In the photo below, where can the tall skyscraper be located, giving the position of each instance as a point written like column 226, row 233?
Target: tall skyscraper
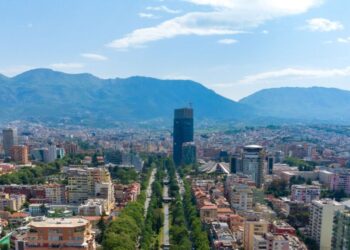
column 253, row 163
column 233, row 164
column 9, row 139
column 183, row 132
column 189, row 153
column 270, row 161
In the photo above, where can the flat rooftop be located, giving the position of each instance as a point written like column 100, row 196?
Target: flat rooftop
column 58, row 222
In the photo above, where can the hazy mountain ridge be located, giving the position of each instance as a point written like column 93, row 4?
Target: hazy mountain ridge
column 305, row 104
column 50, row 96
column 44, row 94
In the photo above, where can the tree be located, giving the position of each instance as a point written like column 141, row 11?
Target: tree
column 4, row 247
column 124, row 175
column 120, row 241
column 102, row 226
column 278, row 188
column 296, row 180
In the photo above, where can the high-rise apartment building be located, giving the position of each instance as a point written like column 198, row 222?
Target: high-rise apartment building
column 55, row 193
column 305, row 193
column 79, row 186
column 19, row 154
column 341, row 230
column 70, row 148
column 84, row 183
column 240, row 196
column 183, row 132
column 321, row 221
column 51, row 154
column 253, row 163
column 341, row 181
column 251, row 229
column 10, row 139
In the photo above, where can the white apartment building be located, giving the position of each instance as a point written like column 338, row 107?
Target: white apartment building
column 305, row 193
column 241, row 197
column 321, row 221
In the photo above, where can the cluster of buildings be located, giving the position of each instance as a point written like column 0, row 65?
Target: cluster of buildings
column 236, row 167
column 63, row 216
column 126, row 193
column 17, row 153
column 236, row 220
column 60, row 215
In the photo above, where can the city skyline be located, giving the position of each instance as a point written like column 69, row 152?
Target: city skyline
column 175, row 124
column 297, row 43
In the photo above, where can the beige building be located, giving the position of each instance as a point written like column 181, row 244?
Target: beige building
column 321, row 221
column 55, row 194
column 85, row 183
column 251, row 229
column 94, row 207
column 208, row 212
column 241, row 197
column 65, row 234
column 269, row 241
column 11, row 201
column 78, row 188
column 105, row 190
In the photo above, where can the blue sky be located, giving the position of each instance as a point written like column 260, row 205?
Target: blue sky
column 235, row 47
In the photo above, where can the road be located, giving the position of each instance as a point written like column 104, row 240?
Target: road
column 148, row 200
column 166, row 241
column 180, row 183
column 149, row 191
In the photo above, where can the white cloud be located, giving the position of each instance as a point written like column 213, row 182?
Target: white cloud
column 214, row 3
column 265, row 32
column 271, row 6
column 227, row 41
column 95, row 57
column 15, row 70
column 297, row 73
column 66, row 66
column 163, row 8
column 343, row 40
column 147, row 15
column 226, row 17
column 323, row 25
column 168, row 29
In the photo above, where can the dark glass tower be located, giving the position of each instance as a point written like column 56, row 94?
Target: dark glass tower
column 183, row 132
column 270, row 165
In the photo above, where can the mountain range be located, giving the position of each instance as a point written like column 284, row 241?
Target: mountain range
column 44, row 95
column 47, row 95
column 315, row 104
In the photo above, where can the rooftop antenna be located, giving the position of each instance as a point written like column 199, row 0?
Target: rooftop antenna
column 190, row 105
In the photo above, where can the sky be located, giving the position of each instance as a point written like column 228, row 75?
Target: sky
column 235, row 47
